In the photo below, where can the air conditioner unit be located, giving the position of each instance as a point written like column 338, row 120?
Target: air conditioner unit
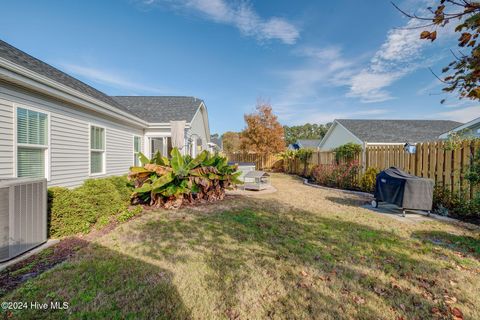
column 23, row 215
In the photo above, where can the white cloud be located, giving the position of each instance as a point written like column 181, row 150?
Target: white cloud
column 396, row 58
column 239, row 14
column 109, row 78
column 461, row 115
column 399, row 55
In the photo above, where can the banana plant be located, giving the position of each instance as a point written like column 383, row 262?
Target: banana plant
column 160, row 181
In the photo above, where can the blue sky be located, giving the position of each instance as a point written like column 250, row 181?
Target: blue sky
column 313, row 60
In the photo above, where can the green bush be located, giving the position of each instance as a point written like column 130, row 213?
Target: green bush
column 446, row 202
column 368, row 180
column 304, row 155
column 94, row 203
column 347, row 152
column 123, row 186
column 342, row 175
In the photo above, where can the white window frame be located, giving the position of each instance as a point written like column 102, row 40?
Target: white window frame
column 16, row 145
column 104, row 151
column 133, row 147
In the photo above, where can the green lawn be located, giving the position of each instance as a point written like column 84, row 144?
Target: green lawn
column 300, row 253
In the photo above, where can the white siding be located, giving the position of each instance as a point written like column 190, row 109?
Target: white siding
column 69, row 137
column 198, row 128
column 119, row 151
column 337, row 137
column 6, row 139
column 69, row 150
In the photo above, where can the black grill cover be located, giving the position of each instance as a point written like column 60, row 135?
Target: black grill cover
column 406, row 191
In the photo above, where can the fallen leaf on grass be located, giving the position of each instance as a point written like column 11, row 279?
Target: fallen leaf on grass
column 303, row 273
column 456, row 313
column 449, row 299
column 359, row 300
column 435, row 311
column 379, row 291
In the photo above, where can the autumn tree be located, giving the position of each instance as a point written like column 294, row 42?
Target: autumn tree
column 231, row 141
column 306, row 131
column 263, row 134
column 462, row 75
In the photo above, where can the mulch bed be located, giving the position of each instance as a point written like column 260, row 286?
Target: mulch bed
column 13, row 276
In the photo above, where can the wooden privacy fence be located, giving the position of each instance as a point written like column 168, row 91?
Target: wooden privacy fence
column 432, row 160
column 447, row 167
column 268, row 162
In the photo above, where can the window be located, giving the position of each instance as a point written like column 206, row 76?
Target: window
column 156, row 145
column 97, row 150
column 199, row 145
column 32, row 143
column 137, row 146
column 169, row 146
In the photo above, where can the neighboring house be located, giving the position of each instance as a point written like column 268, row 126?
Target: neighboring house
column 216, row 142
column 469, row 129
column 55, row 126
column 383, row 132
column 305, row 144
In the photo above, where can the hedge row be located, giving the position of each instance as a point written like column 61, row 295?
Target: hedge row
column 94, row 204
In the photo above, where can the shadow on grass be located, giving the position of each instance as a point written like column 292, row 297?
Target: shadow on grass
column 270, row 236
column 459, row 244
column 99, row 283
column 349, row 200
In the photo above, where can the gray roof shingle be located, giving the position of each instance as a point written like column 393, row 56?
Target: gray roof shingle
column 151, row 109
column 156, row 109
column 397, row 131
column 309, row 143
column 25, row 60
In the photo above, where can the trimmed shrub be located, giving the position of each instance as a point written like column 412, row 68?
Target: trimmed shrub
column 123, row 186
column 347, row 152
column 448, row 203
column 341, row 175
column 368, row 180
column 74, row 211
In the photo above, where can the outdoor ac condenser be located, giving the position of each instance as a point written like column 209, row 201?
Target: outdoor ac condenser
column 23, row 215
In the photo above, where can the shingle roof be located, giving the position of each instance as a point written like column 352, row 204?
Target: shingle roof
column 309, row 143
column 25, row 60
column 397, row 131
column 156, row 109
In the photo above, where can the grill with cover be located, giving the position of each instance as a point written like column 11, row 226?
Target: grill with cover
column 404, row 190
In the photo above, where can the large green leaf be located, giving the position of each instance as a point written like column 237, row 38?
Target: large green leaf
column 147, row 187
column 138, row 169
column 177, row 161
column 198, row 160
column 159, row 159
column 143, row 159
column 163, row 180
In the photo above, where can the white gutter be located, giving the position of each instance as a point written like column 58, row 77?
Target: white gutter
column 164, row 125
column 37, row 82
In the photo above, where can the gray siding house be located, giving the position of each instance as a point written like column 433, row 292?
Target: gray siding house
column 305, row 144
column 470, row 129
column 383, row 132
column 55, row 126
